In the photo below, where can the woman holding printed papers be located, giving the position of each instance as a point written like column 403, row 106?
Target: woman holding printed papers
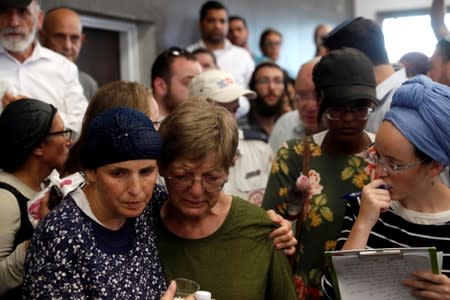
column 410, row 151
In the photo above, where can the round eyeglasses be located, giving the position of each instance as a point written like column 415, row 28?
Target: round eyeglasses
column 360, row 113
column 210, row 184
column 372, row 157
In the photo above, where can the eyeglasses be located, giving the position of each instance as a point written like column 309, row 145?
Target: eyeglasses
column 210, row 184
column 372, row 157
column 66, row 133
column 266, row 81
column 359, row 112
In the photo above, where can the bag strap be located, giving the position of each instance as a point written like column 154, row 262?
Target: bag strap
column 26, row 229
column 299, row 222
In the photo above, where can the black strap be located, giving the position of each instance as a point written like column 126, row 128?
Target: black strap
column 25, row 229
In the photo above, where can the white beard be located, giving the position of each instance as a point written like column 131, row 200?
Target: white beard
column 17, row 44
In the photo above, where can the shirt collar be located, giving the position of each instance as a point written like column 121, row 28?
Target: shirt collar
column 390, row 83
column 37, row 53
column 227, row 45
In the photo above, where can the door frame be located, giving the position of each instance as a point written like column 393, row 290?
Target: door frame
column 128, row 43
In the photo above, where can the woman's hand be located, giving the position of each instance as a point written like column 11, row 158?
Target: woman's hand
column 426, row 285
column 374, row 200
column 283, row 236
column 170, row 293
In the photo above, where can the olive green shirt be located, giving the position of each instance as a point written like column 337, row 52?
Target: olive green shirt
column 238, row 261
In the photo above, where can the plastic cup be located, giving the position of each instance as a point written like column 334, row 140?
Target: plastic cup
column 186, row 287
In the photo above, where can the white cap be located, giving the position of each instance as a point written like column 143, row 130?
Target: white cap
column 202, row 295
column 219, row 86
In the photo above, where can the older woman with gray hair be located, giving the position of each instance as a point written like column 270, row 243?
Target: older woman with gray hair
column 204, row 234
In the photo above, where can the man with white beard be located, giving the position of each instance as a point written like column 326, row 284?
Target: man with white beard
column 28, row 69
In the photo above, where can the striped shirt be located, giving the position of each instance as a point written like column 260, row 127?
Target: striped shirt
column 393, row 231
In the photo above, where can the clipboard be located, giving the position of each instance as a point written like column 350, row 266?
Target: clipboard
column 377, row 273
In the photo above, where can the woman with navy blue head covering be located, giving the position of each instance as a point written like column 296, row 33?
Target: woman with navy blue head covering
column 411, row 149
column 94, row 245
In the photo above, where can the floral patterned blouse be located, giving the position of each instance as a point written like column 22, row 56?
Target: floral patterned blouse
column 331, row 176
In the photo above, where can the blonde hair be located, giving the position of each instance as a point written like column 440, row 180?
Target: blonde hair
column 196, row 129
column 114, row 94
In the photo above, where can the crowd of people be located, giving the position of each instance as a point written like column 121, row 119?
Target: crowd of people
column 224, row 170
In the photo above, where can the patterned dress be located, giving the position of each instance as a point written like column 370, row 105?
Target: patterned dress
column 71, row 256
column 331, row 176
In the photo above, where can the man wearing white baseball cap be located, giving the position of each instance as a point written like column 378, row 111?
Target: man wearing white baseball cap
column 248, row 177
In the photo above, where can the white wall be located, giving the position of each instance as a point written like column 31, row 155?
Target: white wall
column 403, row 40
column 295, row 19
column 370, row 8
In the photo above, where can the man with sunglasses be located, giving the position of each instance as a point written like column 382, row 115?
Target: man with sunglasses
column 28, row 69
column 171, row 74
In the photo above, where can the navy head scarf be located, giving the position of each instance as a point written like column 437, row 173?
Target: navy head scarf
column 119, row 134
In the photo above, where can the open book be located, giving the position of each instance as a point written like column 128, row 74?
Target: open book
column 378, row 273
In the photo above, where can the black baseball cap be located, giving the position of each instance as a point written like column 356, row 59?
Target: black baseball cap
column 343, row 76
column 15, row 3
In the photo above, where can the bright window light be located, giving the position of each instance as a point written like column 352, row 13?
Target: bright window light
column 408, row 34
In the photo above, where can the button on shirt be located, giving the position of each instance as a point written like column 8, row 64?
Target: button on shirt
column 49, row 77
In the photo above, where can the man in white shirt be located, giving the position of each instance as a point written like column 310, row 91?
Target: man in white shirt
column 28, row 69
column 62, row 32
column 230, row 58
